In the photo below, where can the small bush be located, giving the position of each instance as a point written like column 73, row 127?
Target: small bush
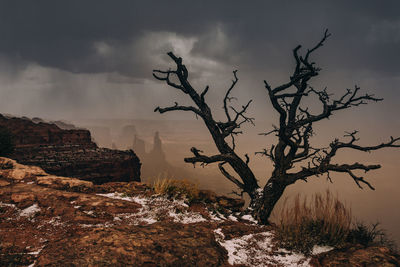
column 323, row 220
column 363, row 234
column 176, row 188
column 370, row 235
column 6, row 143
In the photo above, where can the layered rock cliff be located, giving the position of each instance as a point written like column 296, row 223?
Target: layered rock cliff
column 69, row 152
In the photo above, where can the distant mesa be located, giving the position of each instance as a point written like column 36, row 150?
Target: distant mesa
column 155, row 162
column 139, row 146
column 61, row 124
column 126, row 135
column 156, row 155
column 62, row 149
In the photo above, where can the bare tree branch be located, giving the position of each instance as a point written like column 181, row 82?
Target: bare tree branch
column 166, row 78
column 177, row 107
column 349, row 99
column 204, row 93
column 218, row 130
column 203, row 159
column 229, row 176
column 227, row 98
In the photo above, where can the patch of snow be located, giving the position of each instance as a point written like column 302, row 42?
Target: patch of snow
column 187, row 217
column 232, row 218
column 77, row 207
column 260, row 191
column 321, row 249
column 117, row 195
column 56, row 221
column 30, row 211
column 90, row 212
column 181, row 202
column 258, row 250
column 35, row 252
column 106, row 225
column 148, row 220
column 30, row 182
column 219, row 233
column 214, row 217
column 84, row 225
column 250, row 218
column 140, row 200
column 221, row 216
column 155, row 208
column 6, row 205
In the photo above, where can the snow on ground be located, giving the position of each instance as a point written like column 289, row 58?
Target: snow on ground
column 249, row 218
column 6, row 205
column 321, row 249
column 258, row 250
column 186, row 218
column 232, row 218
column 107, row 224
column 217, row 216
column 56, row 221
column 155, row 208
column 30, row 211
column 90, row 212
column 36, row 252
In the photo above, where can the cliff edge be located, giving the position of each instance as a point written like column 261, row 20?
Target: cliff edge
column 46, row 220
column 69, row 152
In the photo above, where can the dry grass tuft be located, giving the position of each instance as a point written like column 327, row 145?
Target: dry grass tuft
column 370, row 235
column 176, row 188
column 323, row 220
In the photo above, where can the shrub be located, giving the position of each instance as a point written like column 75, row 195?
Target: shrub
column 323, row 220
column 176, row 188
column 370, row 235
column 6, row 142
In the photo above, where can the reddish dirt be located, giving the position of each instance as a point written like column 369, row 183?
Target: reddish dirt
column 47, row 220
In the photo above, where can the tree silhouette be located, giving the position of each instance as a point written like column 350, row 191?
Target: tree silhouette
column 293, row 148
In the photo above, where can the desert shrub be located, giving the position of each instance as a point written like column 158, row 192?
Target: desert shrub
column 176, row 188
column 368, row 235
column 6, row 142
column 323, row 220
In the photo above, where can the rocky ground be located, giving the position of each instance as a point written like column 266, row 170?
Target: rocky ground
column 47, row 220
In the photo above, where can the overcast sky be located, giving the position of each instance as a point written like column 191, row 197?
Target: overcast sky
column 64, row 59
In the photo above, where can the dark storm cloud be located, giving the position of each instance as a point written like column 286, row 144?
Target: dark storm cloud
column 259, row 34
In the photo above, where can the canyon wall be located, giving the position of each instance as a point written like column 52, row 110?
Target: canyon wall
column 69, row 152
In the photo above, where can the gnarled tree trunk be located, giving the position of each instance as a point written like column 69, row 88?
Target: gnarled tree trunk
column 264, row 201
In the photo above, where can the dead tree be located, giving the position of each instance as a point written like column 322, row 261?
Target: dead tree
column 293, row 157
